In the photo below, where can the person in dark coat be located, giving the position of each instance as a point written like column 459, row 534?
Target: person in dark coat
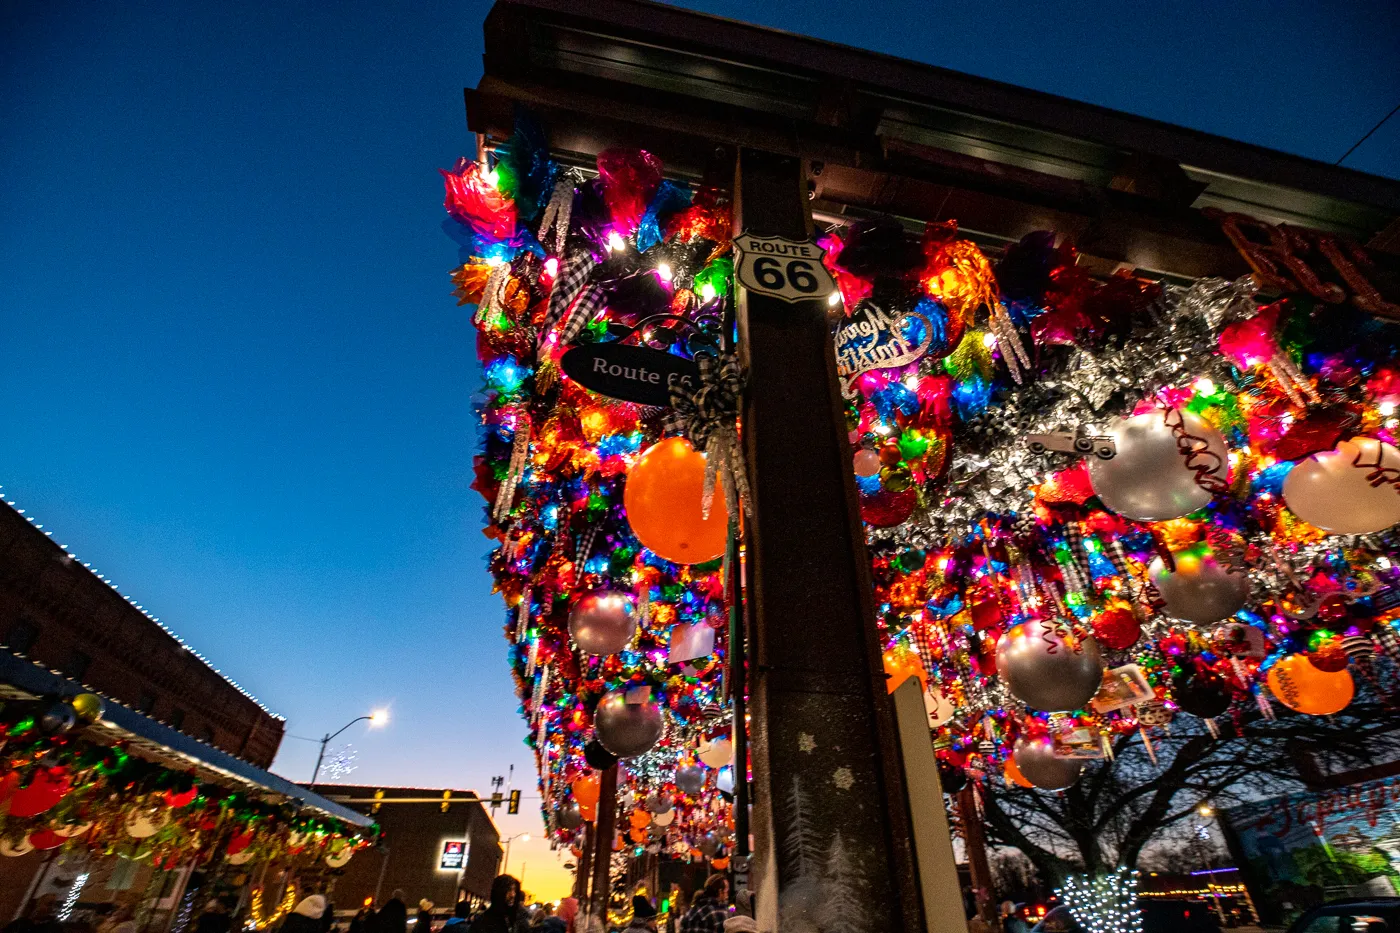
column 306, row 918
column 423, row 922
column 393, row 916
column 504, row 914
column 362, row 922
column 215, row 918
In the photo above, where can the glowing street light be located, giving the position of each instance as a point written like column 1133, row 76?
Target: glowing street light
column 379, row 717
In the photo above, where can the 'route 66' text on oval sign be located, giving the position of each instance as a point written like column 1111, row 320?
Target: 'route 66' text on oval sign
column 632, row 374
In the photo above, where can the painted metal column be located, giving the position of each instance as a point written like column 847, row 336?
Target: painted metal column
column 603, row 831
column 832, row 824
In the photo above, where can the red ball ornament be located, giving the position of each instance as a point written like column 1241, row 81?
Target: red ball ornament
column 886, row 509
column 1116, row 628
column 240, row 842
column 46, row 789
column 1329, row 656
column 45, row 839
column 1333, row 612
column 178, row 799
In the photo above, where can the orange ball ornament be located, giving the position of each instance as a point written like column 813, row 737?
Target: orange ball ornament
column 900, row 665
column 640, row 819
column 662, row 498
column 1014, row 775
column 1302, row 687
column 586, row 788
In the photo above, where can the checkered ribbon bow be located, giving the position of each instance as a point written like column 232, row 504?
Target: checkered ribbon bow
column 708, row 416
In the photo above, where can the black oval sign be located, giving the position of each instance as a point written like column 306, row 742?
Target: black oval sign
column 632, row 374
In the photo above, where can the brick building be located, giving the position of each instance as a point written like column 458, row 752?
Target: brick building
column 418, row 823
column 57, row 612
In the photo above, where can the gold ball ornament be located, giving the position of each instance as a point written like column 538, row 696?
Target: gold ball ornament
column 88, row 706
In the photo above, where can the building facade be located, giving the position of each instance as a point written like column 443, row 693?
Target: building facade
column 416, row 854
column 62, row 615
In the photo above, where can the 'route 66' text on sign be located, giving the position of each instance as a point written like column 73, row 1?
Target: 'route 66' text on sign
column 788, row 269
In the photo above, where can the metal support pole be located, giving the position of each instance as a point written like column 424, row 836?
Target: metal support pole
column 738, row 686
column 975, row 839
column 320, row 757
column 585, row 863
column 602, row 854
column 383, row 867
column 831, row 821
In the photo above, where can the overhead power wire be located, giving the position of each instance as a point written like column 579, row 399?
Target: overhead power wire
column 1368, row 135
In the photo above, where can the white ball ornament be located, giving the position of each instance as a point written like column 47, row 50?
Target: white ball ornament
column 1349, row 490
column 1168, row 464
column 717, row 752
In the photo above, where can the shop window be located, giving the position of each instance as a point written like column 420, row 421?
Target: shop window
column 22, row 636
column 78, row 664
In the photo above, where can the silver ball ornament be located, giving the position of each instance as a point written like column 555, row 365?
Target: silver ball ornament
column 57, row 719
column 690, row 779
column 1200, row 589
column 569, row 817
column 1151, row 479
column 1037, row 762
column 657, row 803
column 627, row 729
column 1045, row 671
column 603, row 621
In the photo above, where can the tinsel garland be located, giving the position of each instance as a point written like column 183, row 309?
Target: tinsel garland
column 992, row 470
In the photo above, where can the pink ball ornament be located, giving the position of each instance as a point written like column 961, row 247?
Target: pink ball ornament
column 867, row 462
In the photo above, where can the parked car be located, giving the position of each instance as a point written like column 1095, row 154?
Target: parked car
column 1362, row 915
column 1166, row 916
column 1157, row 917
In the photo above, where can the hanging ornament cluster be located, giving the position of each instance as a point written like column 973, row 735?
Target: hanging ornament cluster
column 610, row 469
column 1091, row 504
column 59, row 788
column 1146, row 504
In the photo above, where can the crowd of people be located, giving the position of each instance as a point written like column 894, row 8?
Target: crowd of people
column 504, row 912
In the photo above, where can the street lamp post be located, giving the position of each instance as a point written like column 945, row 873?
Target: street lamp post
column 505, row 861
column 377, row 718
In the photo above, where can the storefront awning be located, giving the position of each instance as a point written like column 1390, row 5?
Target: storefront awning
column 22, row 679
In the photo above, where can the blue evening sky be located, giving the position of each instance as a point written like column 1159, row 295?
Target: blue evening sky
column 234, row 377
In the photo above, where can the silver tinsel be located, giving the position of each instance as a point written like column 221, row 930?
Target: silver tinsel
column 992, row 469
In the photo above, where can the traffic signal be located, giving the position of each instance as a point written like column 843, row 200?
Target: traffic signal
column 514, row 802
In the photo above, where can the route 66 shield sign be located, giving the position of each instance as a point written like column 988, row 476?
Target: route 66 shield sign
column 788, row 269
